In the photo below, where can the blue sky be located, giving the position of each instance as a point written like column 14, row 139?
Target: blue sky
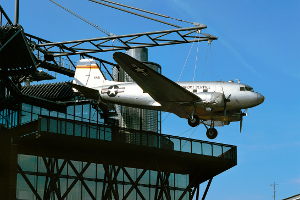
column 258, row 44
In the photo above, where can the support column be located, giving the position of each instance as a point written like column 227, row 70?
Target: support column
column 17, row 3
column 0, row 17
column 8, row 167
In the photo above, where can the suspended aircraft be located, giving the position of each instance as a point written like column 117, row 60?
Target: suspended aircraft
column 212, row 103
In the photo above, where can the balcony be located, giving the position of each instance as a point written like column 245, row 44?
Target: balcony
column 77, row 140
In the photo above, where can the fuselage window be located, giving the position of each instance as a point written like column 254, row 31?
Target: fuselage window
column 205, row 90
column 194, row 90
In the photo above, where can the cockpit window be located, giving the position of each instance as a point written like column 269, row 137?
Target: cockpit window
column 247, row 88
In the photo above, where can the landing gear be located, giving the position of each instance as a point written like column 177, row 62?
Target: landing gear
column 211, row 133
column 193, row 121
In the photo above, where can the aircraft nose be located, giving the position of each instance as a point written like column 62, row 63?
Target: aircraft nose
column 260, row 98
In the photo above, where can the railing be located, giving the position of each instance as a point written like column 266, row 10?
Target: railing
column 130, row 136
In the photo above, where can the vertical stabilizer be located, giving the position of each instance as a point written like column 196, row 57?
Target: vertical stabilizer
column 88, row 74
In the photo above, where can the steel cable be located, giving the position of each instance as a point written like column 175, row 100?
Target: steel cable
column 140, row 15
column 149, row 12
column 196, row 60
column 83, row 19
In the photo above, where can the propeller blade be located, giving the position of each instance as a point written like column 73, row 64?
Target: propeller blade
column 226, row 100
column 246, row 112
column 241, row 124
column 225, row 106
column 241, row 120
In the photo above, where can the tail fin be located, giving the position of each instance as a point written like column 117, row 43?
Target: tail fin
column 88, row 74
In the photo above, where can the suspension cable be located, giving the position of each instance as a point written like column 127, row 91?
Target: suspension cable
column 140, row 15
column 149, row 12
column 196, row 60
column 185, row 62
column 83, row 19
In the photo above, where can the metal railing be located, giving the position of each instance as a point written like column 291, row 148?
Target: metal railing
column 129, row 136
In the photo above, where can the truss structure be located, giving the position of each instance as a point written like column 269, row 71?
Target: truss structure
column 4, row 19
column 124, row 42
column 60, row 179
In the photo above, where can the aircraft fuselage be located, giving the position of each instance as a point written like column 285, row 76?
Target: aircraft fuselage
column 211, row 93
column 212, row 103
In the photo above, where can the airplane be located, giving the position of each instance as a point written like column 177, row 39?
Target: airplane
column 212, row 103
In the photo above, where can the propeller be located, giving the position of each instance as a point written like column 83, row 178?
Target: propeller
column 226, row 100
column 242, row 114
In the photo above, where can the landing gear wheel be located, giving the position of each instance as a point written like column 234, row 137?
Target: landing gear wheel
column 211, row 133
column 193, row 121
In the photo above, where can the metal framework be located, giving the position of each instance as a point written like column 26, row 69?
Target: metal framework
column 63, row 65
column 57, row 56
column 116, row 182
column 4, row 16
column 147, row 39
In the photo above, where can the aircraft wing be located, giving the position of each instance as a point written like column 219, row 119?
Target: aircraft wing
column 159, row 87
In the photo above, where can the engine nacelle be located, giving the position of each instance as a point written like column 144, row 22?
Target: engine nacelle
column 212, row 99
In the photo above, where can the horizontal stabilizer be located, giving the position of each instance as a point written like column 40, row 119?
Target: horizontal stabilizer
column 88, row 93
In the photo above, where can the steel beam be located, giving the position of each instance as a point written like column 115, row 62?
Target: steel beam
column 197, row 191
column 17, row 7
column 187, row 189
column 103, row 44
column 163, row 187
column 134, row 184
column 110, row 183
column 207, row 188
column 29, row 184
column 52, row 183
column 5, row 16
column 0, row 17
column 8, row 167
column 57, row 66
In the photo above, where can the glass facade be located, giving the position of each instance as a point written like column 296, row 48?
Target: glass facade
column 41, row 177
column 93, row 182
column 28, row 113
